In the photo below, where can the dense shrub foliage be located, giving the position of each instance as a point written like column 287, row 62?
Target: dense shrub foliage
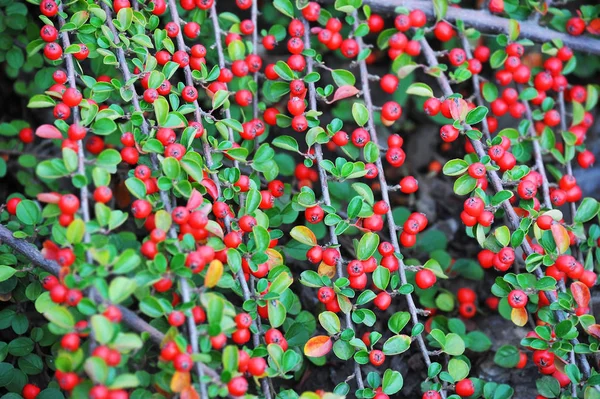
column 209, row 199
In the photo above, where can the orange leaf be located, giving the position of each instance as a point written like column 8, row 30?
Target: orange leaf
column 195, row 200
column 214, row 273
column 49, row 198
column 581, row 294
column 326, row 270
column 275, row 258
column 594, row 27
column 519, row 316
column 180, row 381
column 48, row 132
column 318, row 346
column 189, row 393
column 561, row 238
column 343, row 92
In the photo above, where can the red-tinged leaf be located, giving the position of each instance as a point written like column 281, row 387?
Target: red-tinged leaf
column 213, row 274
column 50, row 250
column 189, row 393
column 519, row 316
column 211, row 188
column 561, row 238
column 315, row 30
column 215, row 229
column 48, row 132
column 49, row 198
column 458, row 109
column 195, row 200
column 318, row 346
column 594, row 330
column 581, row 294
column 180, row 381
column 594, row 27
column 344, row 92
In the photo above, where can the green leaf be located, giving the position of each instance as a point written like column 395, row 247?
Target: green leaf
column 286, row 143
column 440, row 7
column 420, row 89
column 367, row 246
column 342, row 77
column 96, row 369
column 283, row 70
column 455, row 167
column 120, row 289
column 458, row 369
column 502, row 234
column 476, row 115
column 104, row 126
column 507, row 356
column 464, row 185
column 587, row 210
column 261, row 238
column 454, row 346
column 501, row 196
column 104, row 330
column 60, row 316
column 398, row 321
column 6, row 272
column 75, row 231
column 285, row 7
column 28, row 212
column 392, row 382
column 330, row 322
column 396, row 344
column 360, row 114
column 136, row 187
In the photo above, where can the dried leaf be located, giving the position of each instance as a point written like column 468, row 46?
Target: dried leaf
column 343, row 92
column 326, row 270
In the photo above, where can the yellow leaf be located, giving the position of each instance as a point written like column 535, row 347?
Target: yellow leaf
column 180, row 381
column 519, row 316
column 213, row 274
column 326, row 270
column 561, row 238
column 275, row 258
column 304, row 235
column 318, row 346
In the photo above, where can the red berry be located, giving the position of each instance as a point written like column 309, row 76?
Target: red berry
column 425, row 278
column 465, row 388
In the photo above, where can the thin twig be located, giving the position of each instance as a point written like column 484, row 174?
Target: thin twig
column 476, row 85
column 364, row 74
column 84, row 192
column 312, row 104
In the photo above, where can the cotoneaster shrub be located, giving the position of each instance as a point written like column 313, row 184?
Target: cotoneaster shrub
column 199, row 201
